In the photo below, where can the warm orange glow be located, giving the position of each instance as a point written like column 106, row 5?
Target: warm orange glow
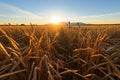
column 56, row 20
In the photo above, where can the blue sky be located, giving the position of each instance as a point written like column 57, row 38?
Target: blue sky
column 40, row 11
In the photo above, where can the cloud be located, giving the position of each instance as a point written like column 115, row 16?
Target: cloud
column 13, row 12
column 115, row 17
column 102, row 15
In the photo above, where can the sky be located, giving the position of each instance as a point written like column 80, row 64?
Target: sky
column 41, row 11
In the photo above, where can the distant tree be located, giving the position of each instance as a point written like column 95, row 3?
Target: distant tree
column 9, row 24
column 22, row 24
column 78, row 25
column 69, row 24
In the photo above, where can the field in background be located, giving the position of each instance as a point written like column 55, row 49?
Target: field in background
column 91, row 52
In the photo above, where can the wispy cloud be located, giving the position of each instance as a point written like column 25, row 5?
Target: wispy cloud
column 96, row 16
column 102, row 15
column 101, row 18
column 14, row 12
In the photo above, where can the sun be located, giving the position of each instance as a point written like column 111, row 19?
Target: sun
column 56, row 20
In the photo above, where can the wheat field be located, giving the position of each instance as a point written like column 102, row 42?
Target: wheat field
column 91, row 52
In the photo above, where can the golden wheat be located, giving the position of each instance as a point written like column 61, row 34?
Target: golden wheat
column 60, row 53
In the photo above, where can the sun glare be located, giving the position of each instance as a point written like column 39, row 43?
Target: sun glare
column 55, row 20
